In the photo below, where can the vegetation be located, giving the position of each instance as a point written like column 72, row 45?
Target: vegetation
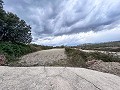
column 15, row 39
column 108, row 46
column 12, row 28
column 77, row 58
column 13, row 51
column 15, row 36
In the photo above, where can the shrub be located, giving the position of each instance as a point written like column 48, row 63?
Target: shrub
column 77, row 58
column 13, row 51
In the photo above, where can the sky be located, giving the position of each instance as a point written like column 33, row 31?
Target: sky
column 69, row 22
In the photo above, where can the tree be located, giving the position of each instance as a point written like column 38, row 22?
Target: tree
column 16, row 30
column 2, row 17
column 1, row 4
column 12, row 28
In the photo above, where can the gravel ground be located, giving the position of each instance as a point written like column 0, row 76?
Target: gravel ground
column 108, row 67
column 43, row 57
column 56, row 78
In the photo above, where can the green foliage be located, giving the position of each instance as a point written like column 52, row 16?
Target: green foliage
column 12, row 28
column 13, row 51
column 2, row 18
column 42, row 47
column 76, row 58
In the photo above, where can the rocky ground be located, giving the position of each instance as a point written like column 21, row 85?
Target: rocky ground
column 107, row 67
column 48, row 57
column 56, row 78
column 44, row 57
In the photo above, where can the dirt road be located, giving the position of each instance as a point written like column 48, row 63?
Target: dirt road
column 43, row 57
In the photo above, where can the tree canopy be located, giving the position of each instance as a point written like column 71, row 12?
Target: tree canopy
column 12, row 28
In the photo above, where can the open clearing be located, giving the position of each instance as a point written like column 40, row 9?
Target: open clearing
column 54, row 78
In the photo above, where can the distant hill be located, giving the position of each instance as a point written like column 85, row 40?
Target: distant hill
column 106, row 46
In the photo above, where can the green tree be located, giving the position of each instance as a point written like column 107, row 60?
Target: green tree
column 2, row 19
column 12, row 28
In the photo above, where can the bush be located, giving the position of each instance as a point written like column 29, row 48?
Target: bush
column 76, row 58
column 13, row 51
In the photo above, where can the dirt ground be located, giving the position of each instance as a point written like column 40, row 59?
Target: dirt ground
column 107, row 67
column 44, row 57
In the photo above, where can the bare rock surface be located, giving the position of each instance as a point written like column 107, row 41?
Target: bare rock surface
column 43, row 57
column 56, row 78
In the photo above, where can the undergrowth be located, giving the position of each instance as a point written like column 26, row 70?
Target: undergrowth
column 13, row 51
column 77, row 58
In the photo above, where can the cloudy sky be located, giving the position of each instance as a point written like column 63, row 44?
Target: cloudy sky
column 69, row 22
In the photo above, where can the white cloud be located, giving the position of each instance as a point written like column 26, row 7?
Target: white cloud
column 80, row 38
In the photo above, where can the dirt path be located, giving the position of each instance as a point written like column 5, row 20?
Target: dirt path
column 43, row 57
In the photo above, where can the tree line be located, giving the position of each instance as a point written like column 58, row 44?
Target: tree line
column 12, row 28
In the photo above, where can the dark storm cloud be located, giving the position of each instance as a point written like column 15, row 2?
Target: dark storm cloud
column 65, row 17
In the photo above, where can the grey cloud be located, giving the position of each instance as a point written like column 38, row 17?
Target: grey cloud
column 69, row 16
column 64, row 17
column 80, row 38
